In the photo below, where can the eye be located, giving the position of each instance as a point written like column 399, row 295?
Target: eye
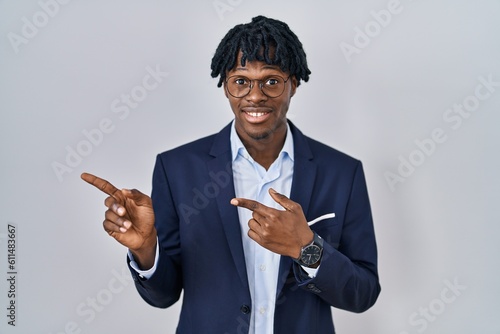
column 272, row 81
column 240, row 81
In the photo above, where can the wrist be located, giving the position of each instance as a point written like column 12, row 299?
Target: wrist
column 305, row 241
column 310, row 254
column 145, row 255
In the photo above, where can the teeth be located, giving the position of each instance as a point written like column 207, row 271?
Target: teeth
column 256, row 114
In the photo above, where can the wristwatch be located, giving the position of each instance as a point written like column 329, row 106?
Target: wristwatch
column 311, row 254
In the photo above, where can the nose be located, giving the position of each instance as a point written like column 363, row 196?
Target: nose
column 256, row 95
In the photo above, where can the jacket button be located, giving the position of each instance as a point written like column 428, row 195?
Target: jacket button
column 245, row 309
column 313, row 288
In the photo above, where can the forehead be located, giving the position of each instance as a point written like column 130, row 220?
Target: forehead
column 255, row 66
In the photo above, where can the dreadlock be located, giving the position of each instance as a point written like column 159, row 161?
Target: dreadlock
column 263, row 39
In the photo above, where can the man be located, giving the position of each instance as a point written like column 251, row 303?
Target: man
column 261, row 227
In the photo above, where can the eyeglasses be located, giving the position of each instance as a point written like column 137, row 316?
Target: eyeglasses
column 272, row 86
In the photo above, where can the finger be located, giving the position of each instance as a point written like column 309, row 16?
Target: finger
column 282, row 200
column 112, row 204
column 256, row 230
column 250, row 205
column 100, row 184
column 112, row 228
column 255, row 236
column 258, row 217
column 254, row 225
column 117, row 220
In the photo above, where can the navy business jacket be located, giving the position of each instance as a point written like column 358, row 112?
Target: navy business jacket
column 200, row 241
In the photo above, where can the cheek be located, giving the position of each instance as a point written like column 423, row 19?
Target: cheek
column 234, row 104
column 284, row 106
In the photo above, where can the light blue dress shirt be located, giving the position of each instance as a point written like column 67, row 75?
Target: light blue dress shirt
column 253, row 181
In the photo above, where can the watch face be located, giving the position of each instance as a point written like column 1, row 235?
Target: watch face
column 310, row 255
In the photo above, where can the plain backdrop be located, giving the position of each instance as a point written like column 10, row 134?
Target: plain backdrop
column 411, row 88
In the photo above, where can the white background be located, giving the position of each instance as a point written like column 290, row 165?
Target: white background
column 437, row 228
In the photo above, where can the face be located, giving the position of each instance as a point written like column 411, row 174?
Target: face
column 257, row 116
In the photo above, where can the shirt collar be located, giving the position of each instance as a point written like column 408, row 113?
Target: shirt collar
column 237, row 146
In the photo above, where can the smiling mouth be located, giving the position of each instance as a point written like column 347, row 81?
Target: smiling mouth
column 256, row 114
column 256, row 117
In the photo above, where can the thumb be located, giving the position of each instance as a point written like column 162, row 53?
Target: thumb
column 282, row 200
column 138, row 197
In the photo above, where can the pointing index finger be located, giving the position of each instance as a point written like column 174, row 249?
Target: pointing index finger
column 249, row 204
column 100, row 184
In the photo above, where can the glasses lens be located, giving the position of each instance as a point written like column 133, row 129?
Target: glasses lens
column 239, row 86
column 273, row 86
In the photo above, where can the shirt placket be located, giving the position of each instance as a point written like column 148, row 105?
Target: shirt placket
column 266, row 262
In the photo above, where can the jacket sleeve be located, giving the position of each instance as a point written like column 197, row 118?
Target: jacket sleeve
column 347, row 277
column 163, row 288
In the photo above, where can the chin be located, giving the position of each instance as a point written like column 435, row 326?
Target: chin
column 263, row 135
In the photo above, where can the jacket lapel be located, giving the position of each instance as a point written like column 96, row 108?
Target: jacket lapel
column 222, row 163
column 304, row 175
column 304, row 171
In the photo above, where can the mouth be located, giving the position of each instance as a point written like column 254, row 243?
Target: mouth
column 256, row 115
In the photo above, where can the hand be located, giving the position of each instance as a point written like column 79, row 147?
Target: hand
column 129, row 219
column 282, row 232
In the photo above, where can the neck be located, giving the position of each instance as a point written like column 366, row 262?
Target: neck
column 265, row 150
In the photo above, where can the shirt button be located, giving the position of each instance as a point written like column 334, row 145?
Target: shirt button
column 262, row 310
column 245, row 309
column 262, row 267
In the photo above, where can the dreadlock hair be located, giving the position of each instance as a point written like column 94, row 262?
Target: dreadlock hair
column 263, row 39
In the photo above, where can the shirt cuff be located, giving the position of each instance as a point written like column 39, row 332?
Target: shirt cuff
column 311, row 271
column 146, row 274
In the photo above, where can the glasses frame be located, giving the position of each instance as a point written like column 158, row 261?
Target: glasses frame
column 261, row 84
